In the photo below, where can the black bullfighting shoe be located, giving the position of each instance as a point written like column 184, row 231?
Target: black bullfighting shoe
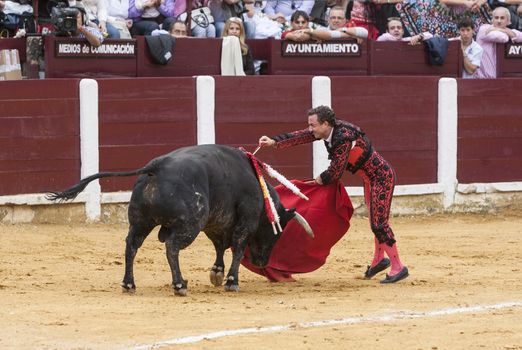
column 381, row 265
column 400, row 276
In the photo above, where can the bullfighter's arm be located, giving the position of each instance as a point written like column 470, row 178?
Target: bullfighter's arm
column 337, row 165
column 294, row 138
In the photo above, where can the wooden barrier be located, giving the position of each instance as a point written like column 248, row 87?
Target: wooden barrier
column 15, row 43
column 39, row 137
column 509, row 60
column 70, row 57
column 141, row 119
column 399, row 58
column 490, row 122
column 202, row 56
column 190, row 56
column 400, row 117
column 249, row 107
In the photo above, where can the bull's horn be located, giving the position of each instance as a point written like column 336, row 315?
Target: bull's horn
column 302, row 221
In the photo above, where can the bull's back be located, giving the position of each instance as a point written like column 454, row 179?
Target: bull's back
column 195, row 181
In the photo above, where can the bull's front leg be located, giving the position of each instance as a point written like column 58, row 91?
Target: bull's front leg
column 232, row 283
column 179, row 238
column 178, row 283
column 134, row 240
column 217, row 271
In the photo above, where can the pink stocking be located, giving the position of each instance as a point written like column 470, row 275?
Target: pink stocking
column 393, row 253
column 378, row 254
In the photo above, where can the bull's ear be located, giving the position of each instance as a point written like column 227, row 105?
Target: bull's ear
column 290, row 211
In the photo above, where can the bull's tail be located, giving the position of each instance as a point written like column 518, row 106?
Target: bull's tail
column 72, row 192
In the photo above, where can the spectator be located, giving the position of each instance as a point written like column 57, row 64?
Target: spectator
column 396, row 33
column 299, row 22
column 234, row 27
column 387, row 9
column 264, row 26
column 491, row 34
column 440, row 17
column 2, row 5
column 363, row 14
column 96, row 11
column 198, row 31
column 515, row 9
column 93, row 35
column 321, row 10
column 118, row 18
column 471, row 51
column 147, row 15
column 178, row 29
column 281, row 11
column 222, row 10
column 337, row 28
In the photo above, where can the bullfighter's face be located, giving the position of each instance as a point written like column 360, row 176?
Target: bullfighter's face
column 320, row 130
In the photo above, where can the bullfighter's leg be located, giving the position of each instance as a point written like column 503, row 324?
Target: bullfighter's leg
column 179, row 239
column 379, row 262
column 217, row 272
column 382, row 181
column 134, row 240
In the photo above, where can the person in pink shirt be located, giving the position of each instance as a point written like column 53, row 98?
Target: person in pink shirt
column 489, row 35
column 395, row 32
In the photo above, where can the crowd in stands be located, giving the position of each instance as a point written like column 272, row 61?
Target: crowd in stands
column 479, row 24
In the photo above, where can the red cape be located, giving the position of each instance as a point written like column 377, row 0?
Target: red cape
column 328, row 212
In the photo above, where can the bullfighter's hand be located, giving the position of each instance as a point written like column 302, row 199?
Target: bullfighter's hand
column 265, row 141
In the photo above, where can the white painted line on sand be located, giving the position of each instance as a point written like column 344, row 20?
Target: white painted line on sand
column 324, row 323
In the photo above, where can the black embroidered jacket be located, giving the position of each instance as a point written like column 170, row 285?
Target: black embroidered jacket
column 350, row 148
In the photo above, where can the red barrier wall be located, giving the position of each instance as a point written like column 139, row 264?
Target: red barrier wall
column 249, row 107
column 15, row 43
column 141, row 119
column 400, row 58
column 508, row 66
column 39, row 136
column 489, row 128
column 190, row 56
column 399, row 114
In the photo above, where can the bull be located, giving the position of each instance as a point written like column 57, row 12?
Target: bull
column 209, row 188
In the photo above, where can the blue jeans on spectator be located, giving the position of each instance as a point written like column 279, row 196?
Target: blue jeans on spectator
column 250, row 29
column 112, row 31
column 143, row 27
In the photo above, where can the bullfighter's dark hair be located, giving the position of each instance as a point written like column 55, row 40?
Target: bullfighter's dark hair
column 324, row 114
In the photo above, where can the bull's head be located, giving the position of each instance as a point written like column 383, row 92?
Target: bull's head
column 263, row 241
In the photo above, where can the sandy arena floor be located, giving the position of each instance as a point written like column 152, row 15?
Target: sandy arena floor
column 59, row 289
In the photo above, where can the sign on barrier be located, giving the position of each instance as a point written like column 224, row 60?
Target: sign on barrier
column 320, row 49
column 113, row 49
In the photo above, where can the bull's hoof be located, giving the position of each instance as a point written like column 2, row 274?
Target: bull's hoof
column 128, row 288
column 216, row 277
column 232, row 287
column 182, row 292
column 180, row 289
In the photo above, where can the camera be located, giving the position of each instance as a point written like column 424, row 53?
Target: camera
column 64, row 19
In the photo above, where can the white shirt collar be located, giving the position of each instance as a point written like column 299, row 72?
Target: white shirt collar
column 329, row 139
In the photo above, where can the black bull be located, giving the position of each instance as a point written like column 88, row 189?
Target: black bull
column 208, row 188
